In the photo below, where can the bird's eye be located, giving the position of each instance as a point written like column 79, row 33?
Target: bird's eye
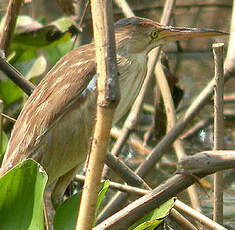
column 154, row 34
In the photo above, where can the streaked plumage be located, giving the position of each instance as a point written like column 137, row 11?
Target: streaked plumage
column 56, row 123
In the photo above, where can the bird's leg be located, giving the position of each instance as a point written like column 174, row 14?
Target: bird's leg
column 61, row 185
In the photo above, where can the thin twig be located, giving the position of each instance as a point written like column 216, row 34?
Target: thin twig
column 83, row 14
column 8, row 117
column 181, row 220
column 228, row 115
column 196, row 128
column 124, row 171
column 137, row 144
column 198, row 216
column 229, row 98
column 118, row 186
column 45, row 215
column 16, row 77
column 218, row 128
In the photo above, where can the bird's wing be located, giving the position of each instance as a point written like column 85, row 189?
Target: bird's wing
column 63, row 85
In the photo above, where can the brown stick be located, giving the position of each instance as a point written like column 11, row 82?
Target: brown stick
column 218, row 128
column 198, row 216
column 181, row 220
column 16, row 77
column 9, row 25
column 8, row 118
column 108, row 97
column 124, row 171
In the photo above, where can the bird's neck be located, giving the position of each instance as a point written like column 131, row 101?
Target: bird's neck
column 129, row 62
column 132, row 72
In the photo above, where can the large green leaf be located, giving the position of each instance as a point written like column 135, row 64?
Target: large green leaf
column 66, row 214
column 154, row 218
column 21, row 196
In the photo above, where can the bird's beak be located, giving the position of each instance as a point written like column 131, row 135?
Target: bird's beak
column 169, row 33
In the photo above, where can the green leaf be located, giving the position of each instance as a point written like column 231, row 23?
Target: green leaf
column 66, row 214
column 4, row 142
column 56, row 52
column 3, row 146
column 155, row 217
column 21, row 197
column 64, row 24
column 102, row 192
column 9, row 92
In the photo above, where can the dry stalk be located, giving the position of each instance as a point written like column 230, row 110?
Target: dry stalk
column 218, row 128
column 108, row 96
column 198, row 216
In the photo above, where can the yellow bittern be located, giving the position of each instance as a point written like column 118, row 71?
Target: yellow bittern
column 56, row 123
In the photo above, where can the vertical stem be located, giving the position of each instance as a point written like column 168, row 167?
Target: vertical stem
column 9, row 25
column 107, row 100
column 218, row 128
column 171, row 121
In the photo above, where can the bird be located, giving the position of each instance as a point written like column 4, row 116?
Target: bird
column 55, row 125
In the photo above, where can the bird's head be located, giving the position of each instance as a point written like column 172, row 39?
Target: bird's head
column 140, row 35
